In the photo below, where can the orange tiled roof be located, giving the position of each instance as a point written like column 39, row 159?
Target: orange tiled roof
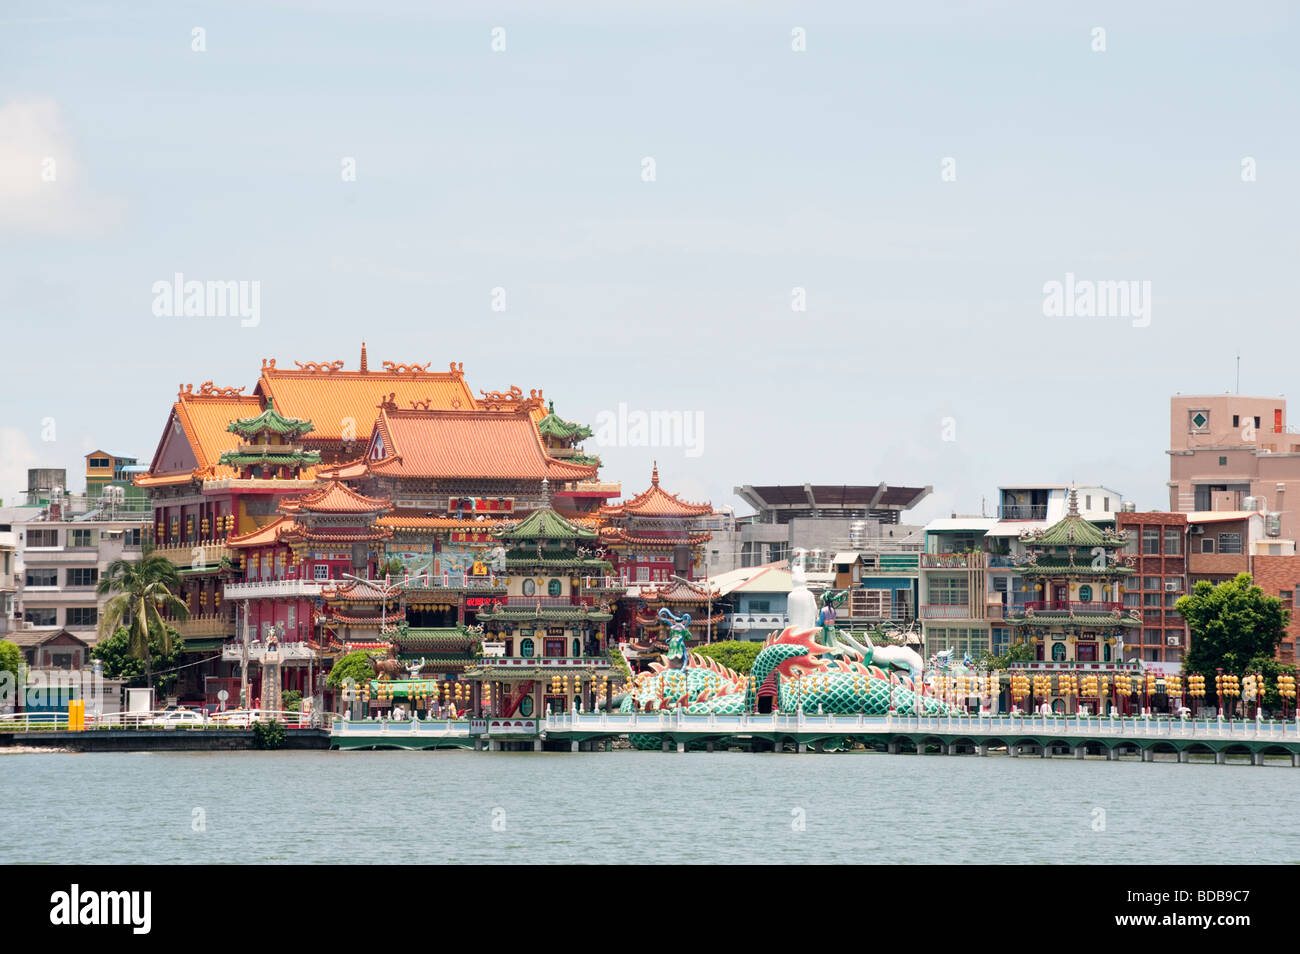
column 336, row 497
column 204, row 416
column 619, row 535
column 329, row 397
column 656, row 502
column 262, row 536
column 494, row 445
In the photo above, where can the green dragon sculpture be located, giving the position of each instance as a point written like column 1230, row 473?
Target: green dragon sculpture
column 794, row 669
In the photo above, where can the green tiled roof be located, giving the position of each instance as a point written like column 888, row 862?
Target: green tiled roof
column 269, row 420
column 301, row 458
column 552, row 425
column 1061, row 566
column 545, row 612
column 546, row 524
column 1078, row 619
column 557, row 563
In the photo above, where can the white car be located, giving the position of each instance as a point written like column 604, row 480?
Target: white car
column 235, row 718
column 174, row 718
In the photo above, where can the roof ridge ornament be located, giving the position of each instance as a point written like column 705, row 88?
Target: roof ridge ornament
column 392, row 367
column 326, row 366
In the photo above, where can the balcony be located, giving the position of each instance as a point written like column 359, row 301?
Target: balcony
column 203, row 627
column 233, row 651
column 1065, row 606
column 530, row 601
column 196, row 554
column 944, row 611
column 743, row 622
column 1022, row 512
column 261, row 589
column 952, row 561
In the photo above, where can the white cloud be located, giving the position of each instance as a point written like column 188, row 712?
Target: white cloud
column 43, row 185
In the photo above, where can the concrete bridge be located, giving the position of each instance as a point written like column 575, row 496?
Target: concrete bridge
column 1041, row 736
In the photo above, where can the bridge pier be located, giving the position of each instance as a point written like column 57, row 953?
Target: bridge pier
column 1220, row 758
column 1256, row 758
column 666, row 746
column 982, row 748
column 892, row 748
column 1080, row 751
column 1148, row 755
column 681, row 746
column 920, row 748
column 1295, row 759
column 950, row 748
column 1013, row 751
column 1045, row 752
column 494, row 745
column 1110, row 755
column 1184, row 755
column 708, row 746
column 801, row 748
column 537, row 745
column 573, row 746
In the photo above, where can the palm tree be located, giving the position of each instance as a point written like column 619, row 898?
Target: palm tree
column 144, row 588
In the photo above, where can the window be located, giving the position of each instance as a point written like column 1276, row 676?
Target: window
column 83, row 577
column 1058, row 652
column 1256, row 422
column 1152, row 599
column 1173, row 542
column 553, row 588
column 100, row 462
column 1105, row 504
column 131, row 538
column 1177, row 582
column 1236, row 420
column 80, row 537
column 530, row 585
column 1132, row 599
column 1207, row 544
column 1087, row 501
column 764, row 606
column 642, row 576
column 321, row 571
column 949, row 591
column 1171, row 599
column 1150, row 582
column 82, row 616
column 42, row 577
column 1151, row 541
column 526, row 648
column 1199, row 420
column 40, row 617
column 1153, row 635
column 1085, row 593
column 42, row 538
column 1230, row 543
column 1223, row 462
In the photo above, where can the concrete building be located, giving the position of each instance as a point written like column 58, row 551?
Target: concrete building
column 8, row 579
column 755, row 599
column 104, row 468
column 1157, row 545
column 821, row 518
column 63, row 550
column 1231, row 452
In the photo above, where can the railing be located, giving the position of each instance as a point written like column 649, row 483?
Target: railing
column 469, row 581
column 1001, row 560
column 254, row 589
column 952, row 561
column 436, row 728
column 1070, row 606
column 994, row 726
column 555, row 662
column 1022, row 512
column 183, row 554
column 233, row 651
column 605, row 582
column 945, row 611
column 540, row 600
column 204, row 625
column 156, row 720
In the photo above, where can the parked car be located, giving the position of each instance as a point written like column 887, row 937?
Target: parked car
column 174, row 718
column 235, row 718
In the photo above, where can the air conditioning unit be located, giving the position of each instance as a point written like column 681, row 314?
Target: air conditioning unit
column 1172, row 586
column 1196, row 530
column 1173, row 640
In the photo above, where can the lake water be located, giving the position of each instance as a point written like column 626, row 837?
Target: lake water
column 639, row 807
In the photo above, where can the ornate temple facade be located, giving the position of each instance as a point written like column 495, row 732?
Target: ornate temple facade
column 338, row 509
column 1077, row 619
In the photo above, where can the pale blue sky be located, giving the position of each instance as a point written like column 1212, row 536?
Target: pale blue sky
column 775, row 169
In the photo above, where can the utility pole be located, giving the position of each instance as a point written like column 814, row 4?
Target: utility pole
column 243, row 669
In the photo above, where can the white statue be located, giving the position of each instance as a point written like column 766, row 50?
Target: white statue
column 898, row 657
column 801, row 606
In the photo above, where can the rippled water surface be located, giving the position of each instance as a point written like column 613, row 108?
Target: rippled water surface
column 452, row 806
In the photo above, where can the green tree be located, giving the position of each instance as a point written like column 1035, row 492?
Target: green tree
column 1234, row 626
column 120, row 663
column 355, row 667
column 1019, row 651
column 11, row 657
column 291, row 700
column 733, row 653
column 144, row 588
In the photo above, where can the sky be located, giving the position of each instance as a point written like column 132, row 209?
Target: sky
column 823, row 234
